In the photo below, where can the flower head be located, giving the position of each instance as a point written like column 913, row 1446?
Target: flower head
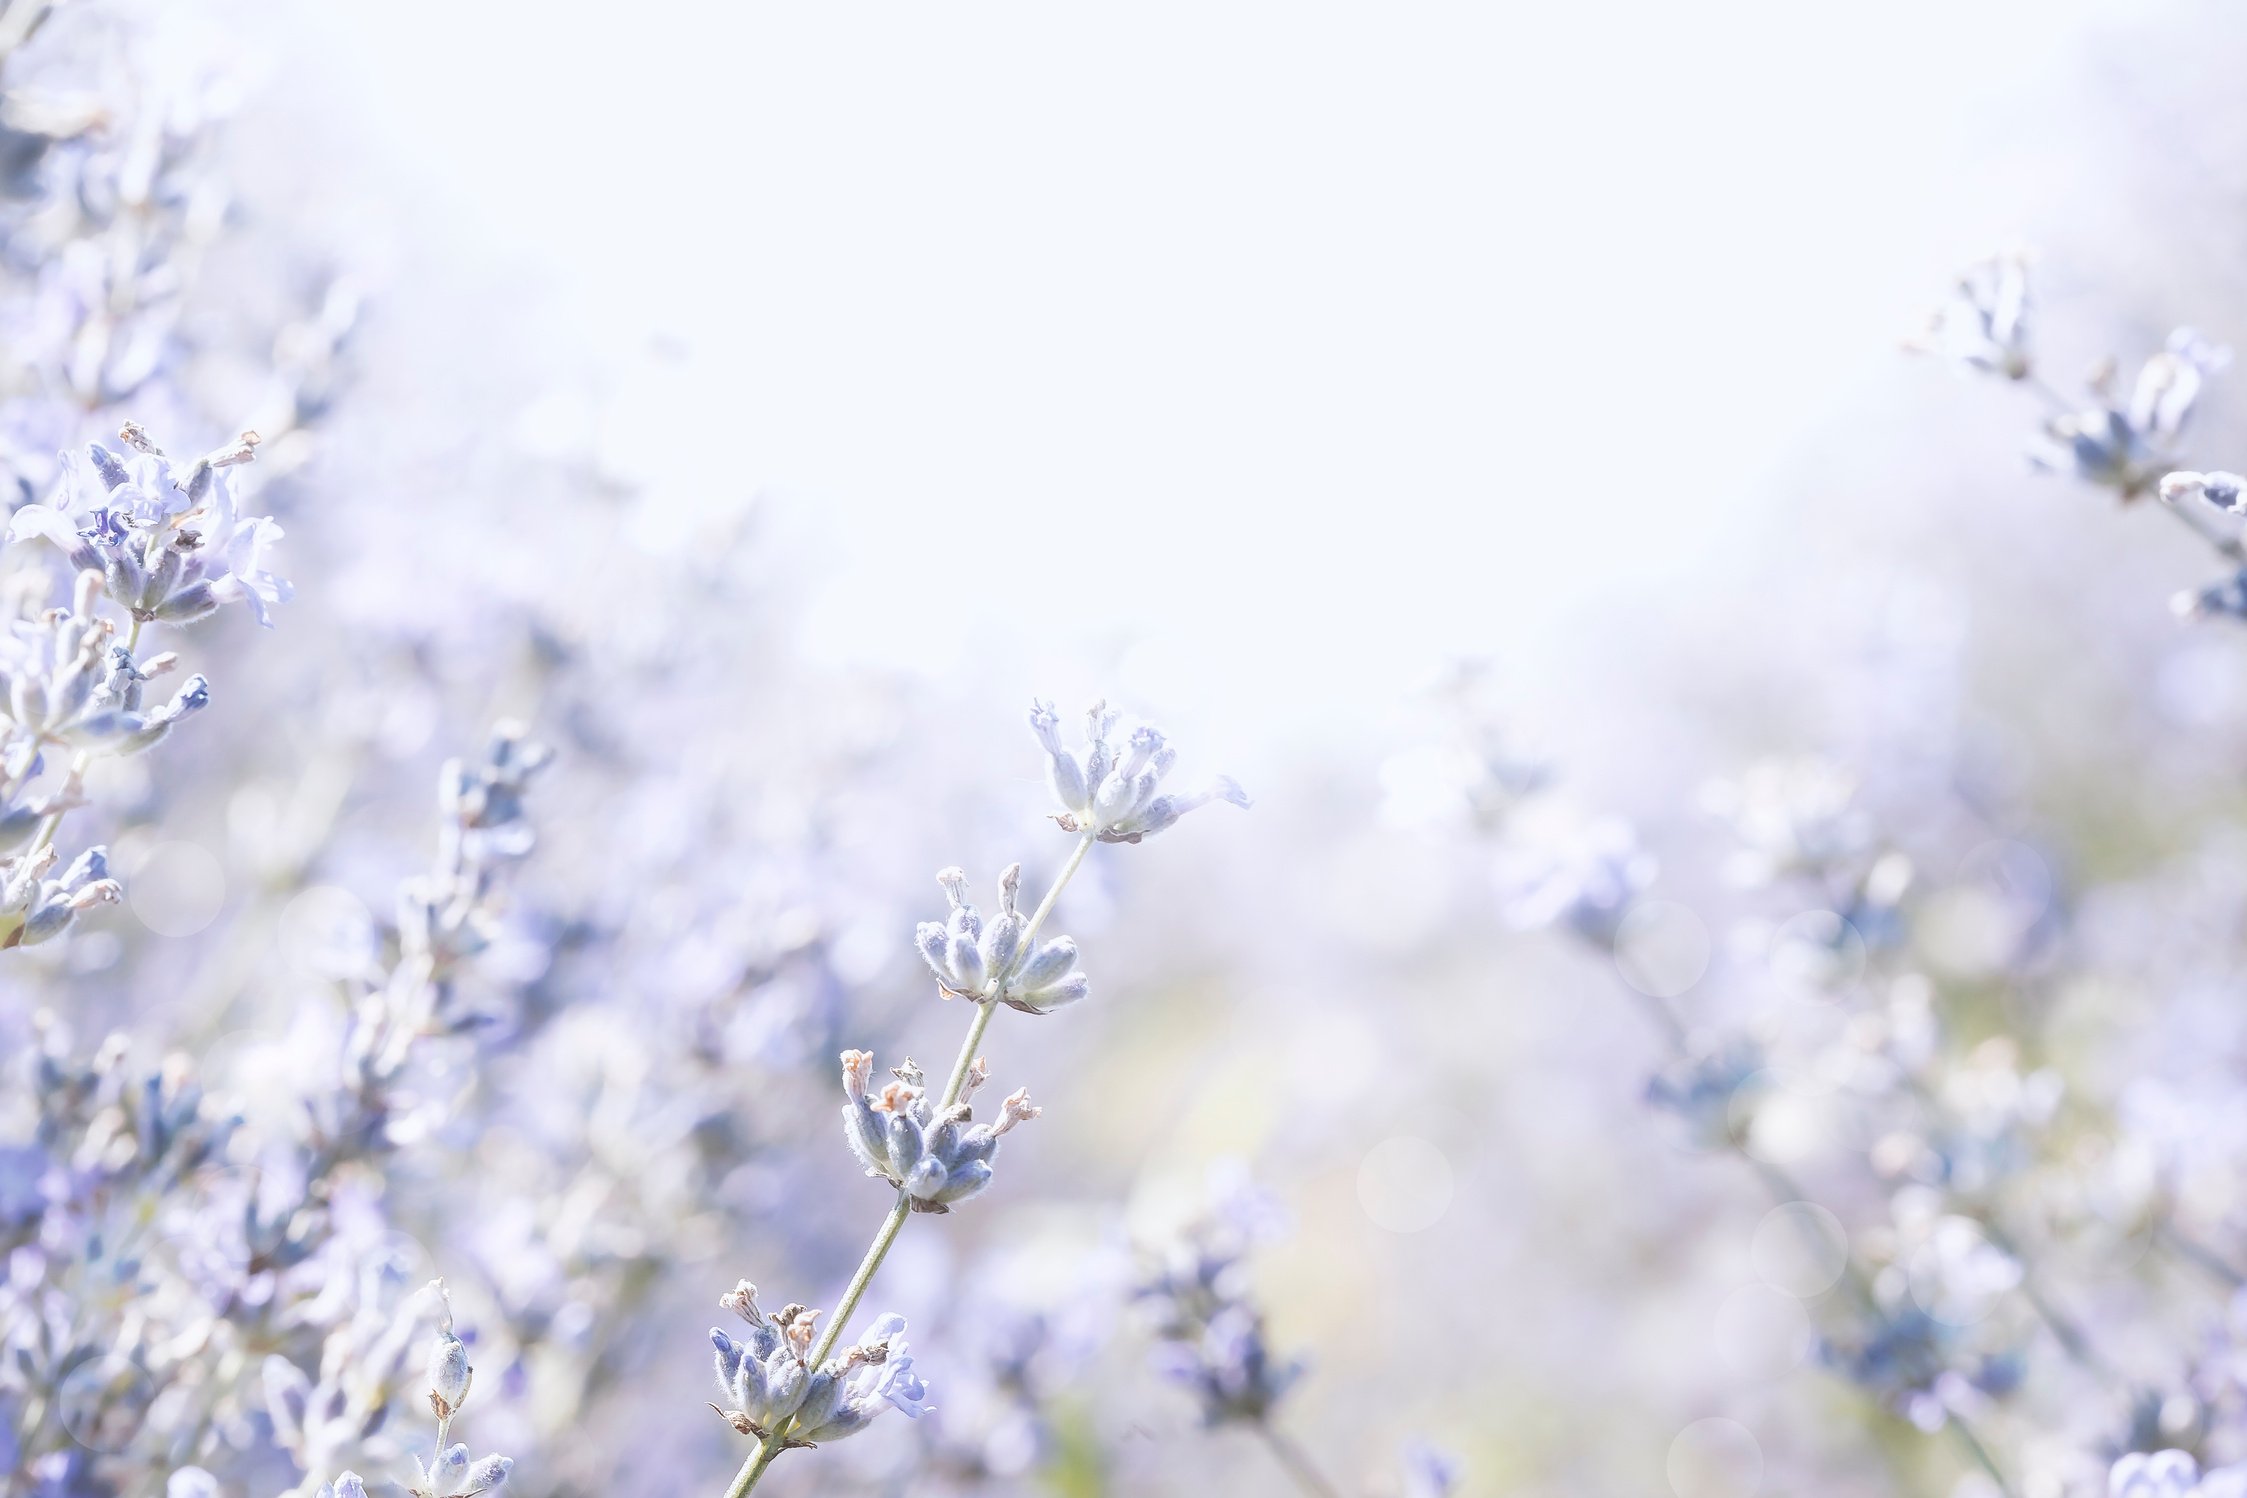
column 2126, row 444
column 2172, row 1474
column 1110, row 790
column 1984, row 326
column 988, row 961
column 767, row 1377
column 170, row 542
column 938, row 1158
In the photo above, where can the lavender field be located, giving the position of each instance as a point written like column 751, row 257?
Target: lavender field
column 1243, row 749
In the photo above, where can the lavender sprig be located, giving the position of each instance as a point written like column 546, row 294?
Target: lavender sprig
column 932, row 1153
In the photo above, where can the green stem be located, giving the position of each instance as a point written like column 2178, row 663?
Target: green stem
column 1965, row 1436
column 966, row 1058
column 2200, row 1255
column 769, row 1449
column 1298, row 1463
column 1022, row 949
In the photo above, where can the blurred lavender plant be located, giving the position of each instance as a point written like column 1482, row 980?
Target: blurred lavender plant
column 156, row 1238
column 2130, row 444
column 1211, row 1330
column 450, row 1472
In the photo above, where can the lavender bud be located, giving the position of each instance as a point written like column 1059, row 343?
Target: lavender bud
column 1063, row 773
column 488, row 1475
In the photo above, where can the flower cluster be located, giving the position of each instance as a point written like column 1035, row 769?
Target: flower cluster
column 937, row 1158
column 2126, row 443
column 1984, row 326
column 1212, row 1338
column 171, row 543
column 166, row 547
column 2172, row 1474
column 770, row 1377
column 988, row 963
column 1109, row 791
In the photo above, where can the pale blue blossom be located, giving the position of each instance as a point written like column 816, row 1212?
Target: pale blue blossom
column 2128, row 443
column 171, row 543
column 1984, row 326
column 987, row 962
column 2172, row 1474
column 771, row 1386
column 938, row 1158
column 1112, row 791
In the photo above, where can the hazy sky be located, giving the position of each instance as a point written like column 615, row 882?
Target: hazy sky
column 1278, row 342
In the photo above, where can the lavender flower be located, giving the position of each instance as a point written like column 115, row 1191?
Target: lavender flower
column 1428, row 1472
column 769, row 1379
column 451, row 1473
column 171, row 544
column 988, row 963
column 2225, row 598
column 1212, row 1338
column 44, row 908
column 1985, row 324
column 938, row 1158
column 2172, row 1474
column 2128, row 444
column 1109, row 791
column 1581, row 875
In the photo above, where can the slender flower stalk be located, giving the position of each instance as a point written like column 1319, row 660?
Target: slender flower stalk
column 1300, row 1469
column 928, row 1150
column 893, row 1222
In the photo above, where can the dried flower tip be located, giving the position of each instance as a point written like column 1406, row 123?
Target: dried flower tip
column 1016, row 1109
column 858, row 1070
column 242, row 449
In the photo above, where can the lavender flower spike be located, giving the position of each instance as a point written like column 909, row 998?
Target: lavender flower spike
column 1108, row 790
column 451, row 1473
column 170, row 542
column 939, row 1159
column 1985, row 325
column 988, row 963
column 768, row 1378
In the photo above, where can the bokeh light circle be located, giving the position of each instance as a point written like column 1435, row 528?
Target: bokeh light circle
column 104, row 1402
column 176, row 888
column 1661, row 948
column 1405, row 1184
column 1762, row 1333
column 1784, row 1118
column 1800, row 1249
column 1715, row 1458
